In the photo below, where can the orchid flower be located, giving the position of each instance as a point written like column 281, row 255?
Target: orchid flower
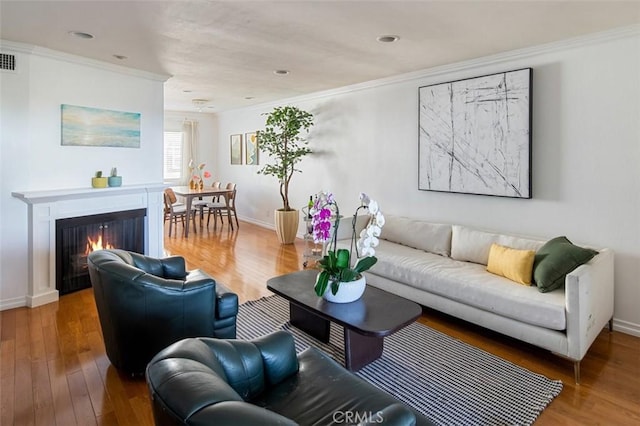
column 336, row 265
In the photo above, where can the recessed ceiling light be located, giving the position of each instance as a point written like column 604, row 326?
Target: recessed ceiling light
column 81, row 34
column 387, row 38
column 120, row 57
column 187, row 91
column 281, row 72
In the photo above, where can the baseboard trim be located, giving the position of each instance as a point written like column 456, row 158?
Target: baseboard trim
column 264, row 224
column 16, row 302
column 43, row 299
column 626, row 327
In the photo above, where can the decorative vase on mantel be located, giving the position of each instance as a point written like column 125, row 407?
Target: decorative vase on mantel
column 347, row 291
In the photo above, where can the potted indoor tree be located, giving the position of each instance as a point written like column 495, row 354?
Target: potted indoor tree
column 282, row 140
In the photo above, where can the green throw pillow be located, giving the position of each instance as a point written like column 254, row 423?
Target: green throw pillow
column 555, row 260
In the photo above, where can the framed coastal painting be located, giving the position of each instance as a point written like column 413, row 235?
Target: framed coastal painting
column 251, row 148
column 236, row 149
column 84, row 126
column 475, row 135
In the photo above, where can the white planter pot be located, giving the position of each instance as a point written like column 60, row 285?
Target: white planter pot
column 347, row 292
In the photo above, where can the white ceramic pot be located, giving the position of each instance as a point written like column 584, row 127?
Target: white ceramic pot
column 347, row 292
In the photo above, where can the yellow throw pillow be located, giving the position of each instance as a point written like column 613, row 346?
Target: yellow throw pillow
column 516, row 265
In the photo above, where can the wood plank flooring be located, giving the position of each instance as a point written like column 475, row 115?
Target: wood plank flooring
column 54, row 370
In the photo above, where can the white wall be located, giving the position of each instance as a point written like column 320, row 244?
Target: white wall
column 586, row 152
column 31, row 155
column 208, row 137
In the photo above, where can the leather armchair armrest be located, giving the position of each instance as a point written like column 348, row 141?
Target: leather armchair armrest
column 226, row 301
column 279, row 357
column 174, row 267
column 394, row 414
column 233, row 413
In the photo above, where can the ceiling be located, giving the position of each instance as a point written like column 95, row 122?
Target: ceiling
column 225, row 52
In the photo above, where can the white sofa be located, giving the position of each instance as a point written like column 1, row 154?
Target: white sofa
column 444, row 267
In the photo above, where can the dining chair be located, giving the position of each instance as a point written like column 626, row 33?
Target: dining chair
column 173, row 200
column 200, row 204
column 175, row 211
column 227, row 207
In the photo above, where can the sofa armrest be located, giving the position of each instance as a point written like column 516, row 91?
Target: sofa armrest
column 226, row 302
column 174, row 267
column 233, row 413
column 279, row 356
column 589, row 291
column 394, row 414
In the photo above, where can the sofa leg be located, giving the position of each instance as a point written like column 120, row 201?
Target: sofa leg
column 611, row 325
column 576, row 371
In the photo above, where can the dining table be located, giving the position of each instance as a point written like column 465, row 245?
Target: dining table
column 189, row 194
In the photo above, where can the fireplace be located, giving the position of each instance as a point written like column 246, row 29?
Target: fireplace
column 46, row 207
column 76, row 237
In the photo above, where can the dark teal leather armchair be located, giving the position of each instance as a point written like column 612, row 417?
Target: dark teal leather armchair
column 204, row 381
column 145, row 304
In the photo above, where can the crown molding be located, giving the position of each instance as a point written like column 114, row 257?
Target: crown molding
column 29, row 49
column 512, row 55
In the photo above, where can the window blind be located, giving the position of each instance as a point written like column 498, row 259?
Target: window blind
column 173, row 153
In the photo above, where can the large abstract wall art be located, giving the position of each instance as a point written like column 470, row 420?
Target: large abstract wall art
column 475, row 135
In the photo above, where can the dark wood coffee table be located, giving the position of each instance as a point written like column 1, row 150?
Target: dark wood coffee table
column 366, row 321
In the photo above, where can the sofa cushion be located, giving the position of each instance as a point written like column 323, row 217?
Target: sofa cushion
column 514, row 264
column 472, row 245
column 471, row 284
column 431, row 237
column 555, row 260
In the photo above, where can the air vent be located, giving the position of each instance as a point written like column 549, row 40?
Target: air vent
column 7, row 62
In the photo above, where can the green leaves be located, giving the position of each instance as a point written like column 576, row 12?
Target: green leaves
column 336, row 269
column 342, row 260
column 365, row 263
column 321, row 283
column 281, row 140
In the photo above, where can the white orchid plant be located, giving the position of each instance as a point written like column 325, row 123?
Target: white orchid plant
column 337, row 266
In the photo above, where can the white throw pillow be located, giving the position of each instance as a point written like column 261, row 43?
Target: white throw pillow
column 520, row 243
column 345, row 229
column 471, row 245
column 430, row 237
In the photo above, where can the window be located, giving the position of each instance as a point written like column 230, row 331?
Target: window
column 173, row 153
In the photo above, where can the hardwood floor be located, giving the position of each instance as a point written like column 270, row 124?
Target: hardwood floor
column 54, row 371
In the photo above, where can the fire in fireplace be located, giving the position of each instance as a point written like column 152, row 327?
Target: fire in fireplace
column 78, row 236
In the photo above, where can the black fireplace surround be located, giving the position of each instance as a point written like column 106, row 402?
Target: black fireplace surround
column 122, row 230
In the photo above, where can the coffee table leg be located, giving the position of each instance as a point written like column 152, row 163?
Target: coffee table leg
column 311, row 324
column 360, row 350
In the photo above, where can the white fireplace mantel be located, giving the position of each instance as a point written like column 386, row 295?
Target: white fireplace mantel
column 46, row 206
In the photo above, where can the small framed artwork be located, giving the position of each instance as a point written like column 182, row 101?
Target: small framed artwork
column 236, row 149
column 251, row 148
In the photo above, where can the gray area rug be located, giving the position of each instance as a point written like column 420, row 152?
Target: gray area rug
column 449, row 381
